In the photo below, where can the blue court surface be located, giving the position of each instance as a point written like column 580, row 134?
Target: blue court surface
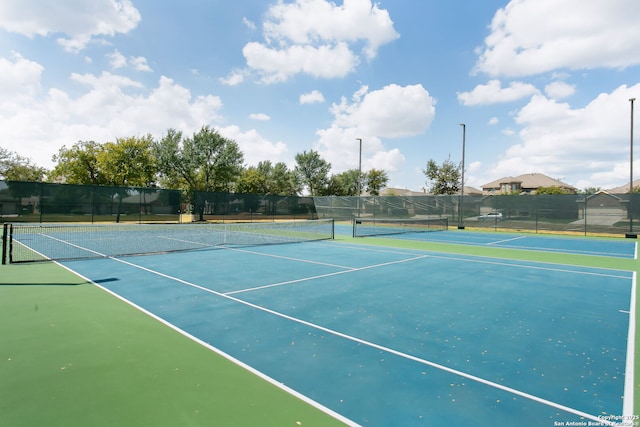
column 390, row 337
column 616, row 248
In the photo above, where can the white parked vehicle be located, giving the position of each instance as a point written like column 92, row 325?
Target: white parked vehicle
column 491, row 215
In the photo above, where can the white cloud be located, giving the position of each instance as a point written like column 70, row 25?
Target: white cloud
column 494, row 93
column 80, row 21
column 315, row 37
column 493, row 121
column 529, row 37
column 255, row 147
column 259, row 116
column 19, row 78
column 235, row 78
column 559, row 90
column 36, row 123
column 248, row 23
column 557, row 140
column 312, row 97
column 139, row 63
column 391, row 112
column 277, row 65
column 307, row 21
column 117, row 60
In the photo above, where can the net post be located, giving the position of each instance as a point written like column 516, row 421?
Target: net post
column 5, row 236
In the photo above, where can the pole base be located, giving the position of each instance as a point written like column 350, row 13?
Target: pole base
column 631, row 235
column 461, row 227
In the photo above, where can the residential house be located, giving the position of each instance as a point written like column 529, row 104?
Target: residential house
column 527, row 183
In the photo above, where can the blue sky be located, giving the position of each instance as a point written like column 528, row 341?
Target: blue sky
column 541, row 85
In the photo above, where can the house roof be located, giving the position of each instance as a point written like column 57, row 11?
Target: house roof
column 529, row 180
column 401, row 192
column 404, row 192
column 624, row 189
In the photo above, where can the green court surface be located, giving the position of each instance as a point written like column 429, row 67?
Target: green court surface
column 73, row 354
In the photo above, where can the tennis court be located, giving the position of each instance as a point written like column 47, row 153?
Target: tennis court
column 617, row 248
column 385, row 336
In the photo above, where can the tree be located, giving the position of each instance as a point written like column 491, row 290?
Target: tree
column 553, row 190
column 268, row 179
column 375, row 181
column 169, row 160
column 590, row 190
column 343, row 184
column 444, row 179
column 129, row 162
column 78, row 164
column 14, row 167
column 251, row 181
column 284, row 181
column 312, row 171
column 207, row 161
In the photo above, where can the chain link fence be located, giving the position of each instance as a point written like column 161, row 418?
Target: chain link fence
column 48, row 202
column 601, row 213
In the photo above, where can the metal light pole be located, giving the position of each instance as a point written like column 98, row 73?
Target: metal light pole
column 359, row 174
column 460, row 225
column 631, row 234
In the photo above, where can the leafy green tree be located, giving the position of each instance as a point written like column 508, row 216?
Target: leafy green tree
column 252, row 181
column 590, row 190
column 553, row 190
column 267, row 178
column 444, row 179
column 14, row 167
column 219, row 159
column 312, row 171
column 170, row 163
column 343, row 184
column 284, row 181
column 78, row 164
column 207, row 161
column 375, row 181
column 129, row 162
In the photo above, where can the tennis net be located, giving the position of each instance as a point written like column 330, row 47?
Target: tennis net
column 363, row 227
column 42, row 242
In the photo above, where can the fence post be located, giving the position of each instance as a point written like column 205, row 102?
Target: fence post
column 5, row 237
column 41, row 205
column 585, row 213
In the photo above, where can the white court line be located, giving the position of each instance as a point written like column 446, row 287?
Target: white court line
column 287, row 258
column 627, row 407
column 506, row 240
column 335, row 273
column 383, row 348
